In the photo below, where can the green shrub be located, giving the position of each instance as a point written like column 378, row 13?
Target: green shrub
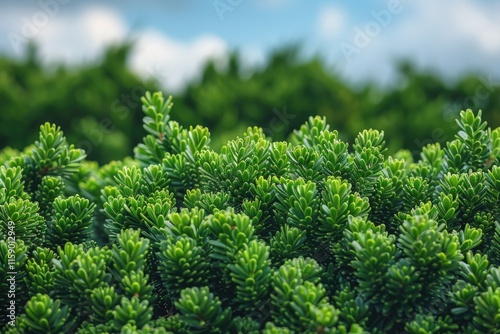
column 260, row 237
column 98, row 103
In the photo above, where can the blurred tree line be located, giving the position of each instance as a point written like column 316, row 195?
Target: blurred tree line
column 97, row 105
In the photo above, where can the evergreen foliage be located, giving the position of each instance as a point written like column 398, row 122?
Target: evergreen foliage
column 311, row 236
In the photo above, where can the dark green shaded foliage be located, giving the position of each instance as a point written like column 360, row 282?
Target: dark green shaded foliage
column 99, row 104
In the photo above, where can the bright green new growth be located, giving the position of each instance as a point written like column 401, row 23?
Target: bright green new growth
column 310, row 236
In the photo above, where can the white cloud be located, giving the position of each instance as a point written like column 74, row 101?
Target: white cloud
column 330, row 22
column 173, row 62
column 456, row 23
column 448, row 36
column 82, row 36
column 480, row 24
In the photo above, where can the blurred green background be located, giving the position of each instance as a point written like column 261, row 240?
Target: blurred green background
column 97, row 104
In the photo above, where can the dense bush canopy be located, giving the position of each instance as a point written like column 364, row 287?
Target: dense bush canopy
column 308, row 236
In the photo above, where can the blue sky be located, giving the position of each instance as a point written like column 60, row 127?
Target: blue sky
column 360, row 40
